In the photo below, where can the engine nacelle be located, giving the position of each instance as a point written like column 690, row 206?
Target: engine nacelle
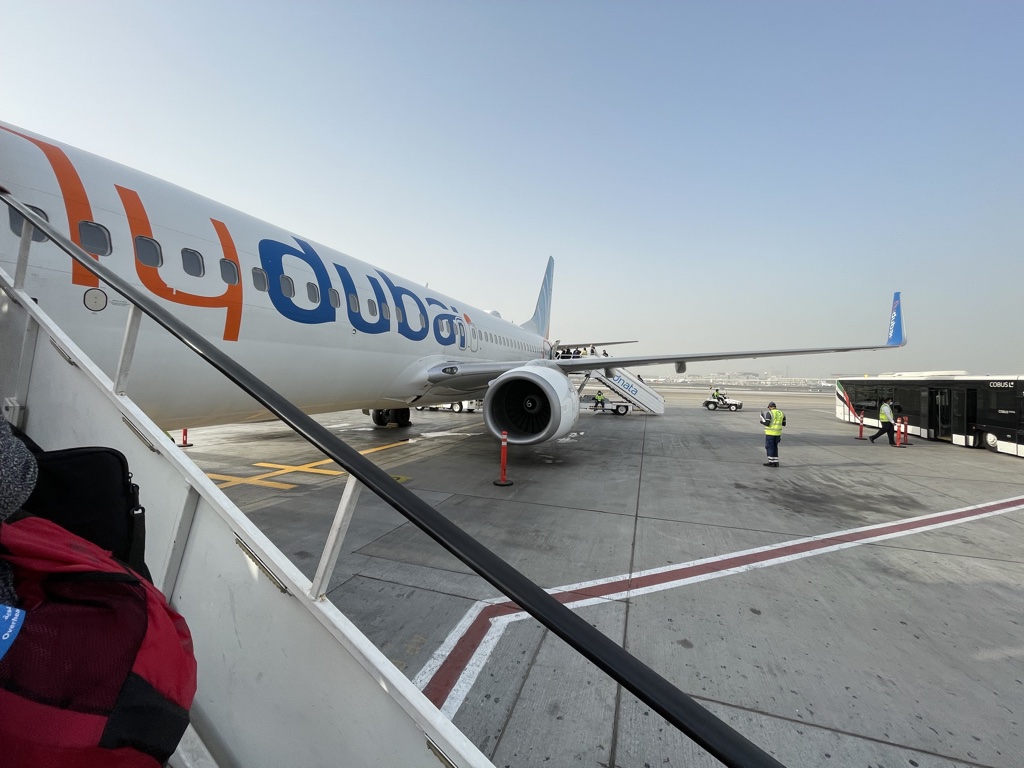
column 532, row 404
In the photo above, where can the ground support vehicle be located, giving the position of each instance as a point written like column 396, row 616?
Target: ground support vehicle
column 726, row 403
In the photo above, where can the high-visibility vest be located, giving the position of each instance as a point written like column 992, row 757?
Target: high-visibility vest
column 774, row 427
column 885, row 412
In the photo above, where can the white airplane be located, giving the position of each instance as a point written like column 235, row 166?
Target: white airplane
column 326, row 330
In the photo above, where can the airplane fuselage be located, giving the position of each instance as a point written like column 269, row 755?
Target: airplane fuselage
column 327, row 330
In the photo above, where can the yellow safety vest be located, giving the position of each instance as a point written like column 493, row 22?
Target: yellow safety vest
column 881, row 412
column 774, row 427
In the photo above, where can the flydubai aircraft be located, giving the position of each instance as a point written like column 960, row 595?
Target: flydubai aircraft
column 326, row 330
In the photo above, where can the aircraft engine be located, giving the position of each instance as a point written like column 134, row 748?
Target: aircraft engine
column 532, row 404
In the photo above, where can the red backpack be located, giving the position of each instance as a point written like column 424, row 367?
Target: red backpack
column 96, row 669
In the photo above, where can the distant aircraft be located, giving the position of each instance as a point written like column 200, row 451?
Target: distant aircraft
column 326, row 330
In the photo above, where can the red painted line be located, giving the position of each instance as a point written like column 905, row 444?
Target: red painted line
column 447, row 675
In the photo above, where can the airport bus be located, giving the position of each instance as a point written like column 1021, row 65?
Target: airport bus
column 972, row 411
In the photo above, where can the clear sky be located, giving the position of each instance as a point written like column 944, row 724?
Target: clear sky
column 710, row 175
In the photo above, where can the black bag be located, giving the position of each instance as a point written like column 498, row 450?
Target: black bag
column 89, row 492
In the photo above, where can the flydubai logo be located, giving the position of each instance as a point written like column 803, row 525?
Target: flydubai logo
column 892, row 318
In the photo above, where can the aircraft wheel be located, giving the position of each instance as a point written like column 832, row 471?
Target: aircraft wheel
column 401, row 417
column 380, row 417
column 732, row 407
column 457, row 406
column 419, row 407
column 621, row 410
column 712, row 406
column 990, row 441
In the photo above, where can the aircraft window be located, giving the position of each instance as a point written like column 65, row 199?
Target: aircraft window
column 147, row 251
column 94, row 238
column 423, row 320
column 192, row 262
column 229, row 271
column 386, row 311
column 445, row 327
column 313, row 292
column 287, row 286
column 353, row 303
column 335, row 297
column 16, row 219
column 398, row 314
column 372, row 306
column 472, row 332
column 259, row 280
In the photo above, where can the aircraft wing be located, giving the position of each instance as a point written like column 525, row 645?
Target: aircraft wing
column 589, row 344
column 896, row 338
column 476, row 375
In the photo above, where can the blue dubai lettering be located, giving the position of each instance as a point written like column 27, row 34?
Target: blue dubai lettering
column 272, row 255
column 355, row 314
column 400, row 294
column 445, row 325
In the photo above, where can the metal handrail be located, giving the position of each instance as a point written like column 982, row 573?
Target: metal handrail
column 711, row 733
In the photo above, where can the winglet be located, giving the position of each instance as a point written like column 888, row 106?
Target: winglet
column 540, row 323
column 897, row 333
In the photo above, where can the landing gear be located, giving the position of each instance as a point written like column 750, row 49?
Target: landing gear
column 384, row 416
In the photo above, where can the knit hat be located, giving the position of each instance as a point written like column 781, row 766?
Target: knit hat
column 18, row 472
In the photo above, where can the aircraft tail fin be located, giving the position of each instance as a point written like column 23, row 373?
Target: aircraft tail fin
column 897, row 333
column 540, row 323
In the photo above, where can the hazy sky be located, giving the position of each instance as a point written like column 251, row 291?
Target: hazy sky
column 707, row 175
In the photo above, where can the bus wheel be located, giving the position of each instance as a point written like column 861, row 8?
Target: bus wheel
column 990, row 441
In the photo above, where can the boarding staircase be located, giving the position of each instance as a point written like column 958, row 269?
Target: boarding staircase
column 629, row 387
column 284, row 677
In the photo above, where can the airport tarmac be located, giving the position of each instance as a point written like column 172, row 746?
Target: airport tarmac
column 756, row 591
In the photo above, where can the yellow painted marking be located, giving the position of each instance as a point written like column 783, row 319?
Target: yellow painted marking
column 284, row 469
column 383, row 447
column 303, row 467
column 258, row 480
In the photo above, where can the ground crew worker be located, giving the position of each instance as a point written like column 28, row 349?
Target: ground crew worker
column 718, row 396
column 887, row 421
column 774, row 420
column 599, row 400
